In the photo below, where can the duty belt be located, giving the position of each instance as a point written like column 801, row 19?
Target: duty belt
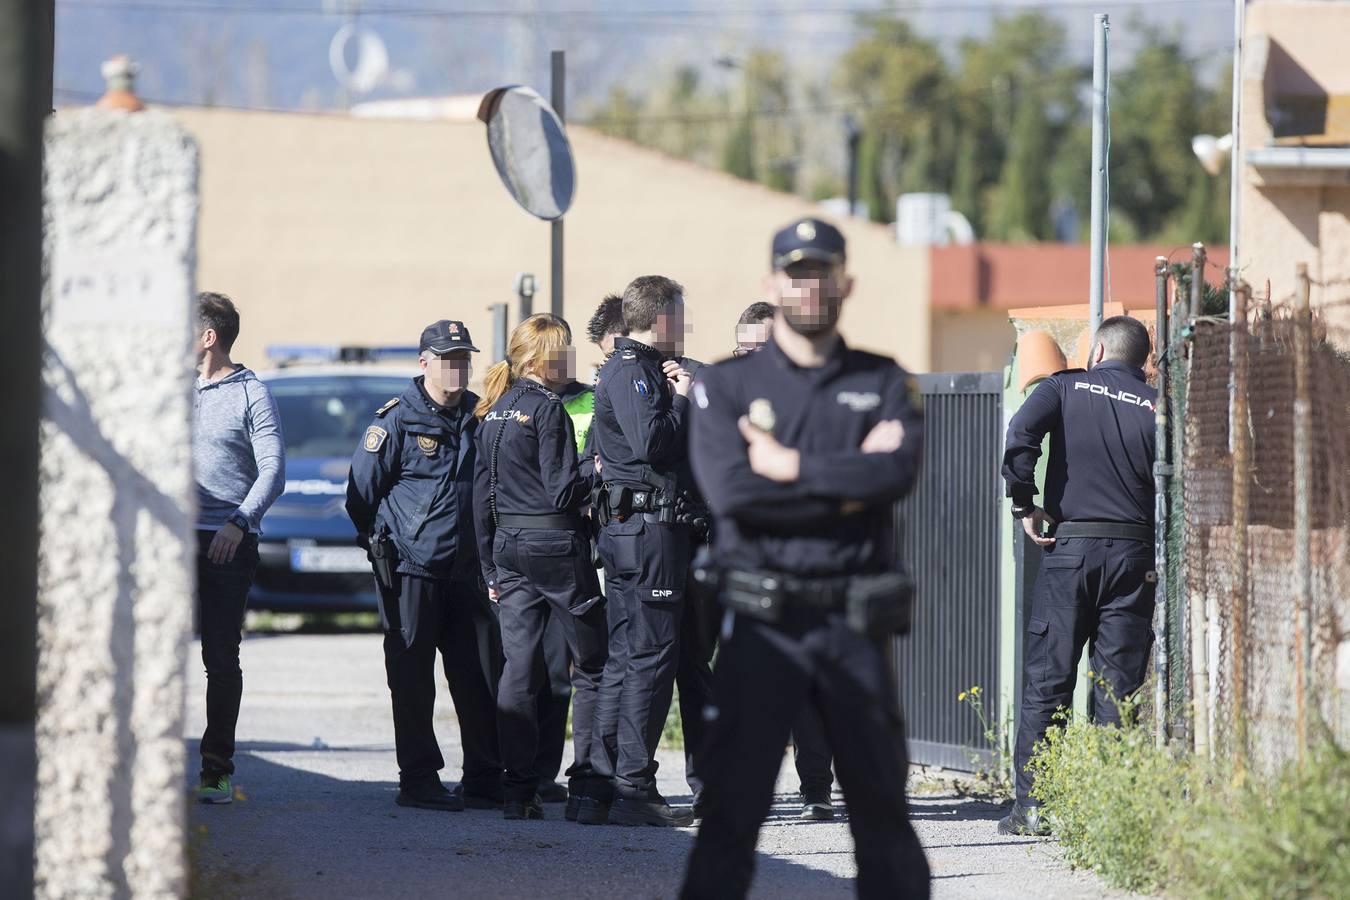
column 559, row 521
column 875, row 605
column 1123, row 530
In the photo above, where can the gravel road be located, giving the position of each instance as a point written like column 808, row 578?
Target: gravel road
column 315, row 817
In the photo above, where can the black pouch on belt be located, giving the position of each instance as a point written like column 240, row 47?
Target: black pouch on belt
column 384, row 558
column 880, row 605
column 753, row 594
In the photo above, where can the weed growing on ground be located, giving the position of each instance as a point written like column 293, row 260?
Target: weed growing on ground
column 992, row 769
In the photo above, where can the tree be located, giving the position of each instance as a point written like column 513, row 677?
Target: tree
column 738, row 154
column 1022, row 210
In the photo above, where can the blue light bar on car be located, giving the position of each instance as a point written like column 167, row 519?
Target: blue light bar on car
column 282, row 354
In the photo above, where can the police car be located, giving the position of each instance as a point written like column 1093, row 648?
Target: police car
column 308, row 560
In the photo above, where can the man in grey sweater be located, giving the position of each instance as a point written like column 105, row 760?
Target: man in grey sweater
column 240, row 464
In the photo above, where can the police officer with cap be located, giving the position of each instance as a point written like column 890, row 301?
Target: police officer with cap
column 1096, row 580
column 410, row 496
column 802, row 450
column 639, row 435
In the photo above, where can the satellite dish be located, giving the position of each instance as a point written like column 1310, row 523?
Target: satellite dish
column 372, row 59
column 530, row 149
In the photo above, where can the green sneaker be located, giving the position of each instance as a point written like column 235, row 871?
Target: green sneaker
column 215, row 789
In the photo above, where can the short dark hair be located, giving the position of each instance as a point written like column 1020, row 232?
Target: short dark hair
column 217, row 312
column 646, row 297
column 1124, row 339
column 756, row 313
column 608, row 319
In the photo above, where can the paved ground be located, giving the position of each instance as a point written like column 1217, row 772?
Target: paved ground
column 315, row 815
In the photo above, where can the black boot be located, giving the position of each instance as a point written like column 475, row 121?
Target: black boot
column 1024, row 820
column 552, row 792
column 817, row 806
column 532, row 808
column 477, row 801
column 431, row 796
column 592, row 811
column 653, row 810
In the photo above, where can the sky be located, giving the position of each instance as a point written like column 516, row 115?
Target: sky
column 275, row 53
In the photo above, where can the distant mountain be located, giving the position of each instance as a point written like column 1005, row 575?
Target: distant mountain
column 274, row 53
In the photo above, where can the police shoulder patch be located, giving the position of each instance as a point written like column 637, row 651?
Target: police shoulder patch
column 374, row 439
column 379, row 413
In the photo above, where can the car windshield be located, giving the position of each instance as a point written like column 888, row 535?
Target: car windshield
column 325, row 415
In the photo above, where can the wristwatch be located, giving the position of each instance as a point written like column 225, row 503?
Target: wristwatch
column 1021, row 512
column 238, row 520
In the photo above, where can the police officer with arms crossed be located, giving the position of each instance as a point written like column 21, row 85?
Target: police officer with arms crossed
column 1096, row 581
column 802, row 450
column 410, row 496
column 639, row 436
column 536, row 549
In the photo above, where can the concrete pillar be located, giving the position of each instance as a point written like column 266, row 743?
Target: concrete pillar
column 116, row 560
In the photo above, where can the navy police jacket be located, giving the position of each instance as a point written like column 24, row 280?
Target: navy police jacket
column 1102, row 439
column 837, row 517
column 639, row 420
column 412, row 477
column 537, row 468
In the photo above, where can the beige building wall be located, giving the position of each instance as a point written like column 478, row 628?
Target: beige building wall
column 1291, row 217
column 344, row 230
column 978, row 340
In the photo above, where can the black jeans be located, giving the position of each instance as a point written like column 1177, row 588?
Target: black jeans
column 764, row 676
column 544, row 576
column 456, row 618
column 1090, row 590
column 222, row 597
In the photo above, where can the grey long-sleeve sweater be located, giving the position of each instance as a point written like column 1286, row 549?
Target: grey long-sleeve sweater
column 237, row 451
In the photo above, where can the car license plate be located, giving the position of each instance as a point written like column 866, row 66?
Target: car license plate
column 329, row 559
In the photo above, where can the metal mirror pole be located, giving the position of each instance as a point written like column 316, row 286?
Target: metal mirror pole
column 1101, row 24
column 558, row 93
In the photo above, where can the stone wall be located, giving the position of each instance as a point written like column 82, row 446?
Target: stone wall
column 117, row 505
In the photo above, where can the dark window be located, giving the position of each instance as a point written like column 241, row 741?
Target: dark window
column 327, row 414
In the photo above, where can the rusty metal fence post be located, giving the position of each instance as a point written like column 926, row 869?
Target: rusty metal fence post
column 1161, row 471
column 1302, row 505
column 1240, row 446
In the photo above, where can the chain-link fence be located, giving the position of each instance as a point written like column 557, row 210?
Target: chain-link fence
column 1257, row 583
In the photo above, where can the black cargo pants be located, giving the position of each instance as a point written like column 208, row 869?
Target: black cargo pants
column 456, row 618
column 765, row 674
column 545, row 575
column 646, row 565
column 1097, row 591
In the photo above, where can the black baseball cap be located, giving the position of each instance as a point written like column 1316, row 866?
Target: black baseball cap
column 445, row 336
column 804, row 239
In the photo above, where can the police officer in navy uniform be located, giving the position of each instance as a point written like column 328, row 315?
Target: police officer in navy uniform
column 536, row 550
column 1096, row 579
column 802, row 450
column 410, row 496
column 641, row 402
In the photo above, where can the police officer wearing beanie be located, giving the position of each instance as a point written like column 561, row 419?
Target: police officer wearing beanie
column 639, row 436
column 536, row 551
column 410, row 496
column 1096, row 581
column 802, row 450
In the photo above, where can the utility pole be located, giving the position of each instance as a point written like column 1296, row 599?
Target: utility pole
column 852, row 134
column 26, row 28
column 559, row 94
column 1101, row 84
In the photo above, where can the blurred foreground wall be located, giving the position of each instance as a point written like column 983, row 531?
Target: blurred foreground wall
column 115, row 559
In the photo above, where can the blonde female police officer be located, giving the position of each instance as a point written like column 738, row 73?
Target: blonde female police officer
column 535, row 549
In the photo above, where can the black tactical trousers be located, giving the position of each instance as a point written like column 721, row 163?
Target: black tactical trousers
column 646, row 564
column 811, row 752
column 693, row 678
column 543, row 575
column 456, row 618
column 1097, row 591
column 554, row 699
column 765, row 674
column 222, row 596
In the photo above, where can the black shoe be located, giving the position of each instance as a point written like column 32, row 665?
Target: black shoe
column 429, row 797
column 817, row 807
column 632, row 811
column 591, row 811
column 700, row 806
column 523, row 809
column 552, row 792
column 476, row 801
column 1024, row 820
